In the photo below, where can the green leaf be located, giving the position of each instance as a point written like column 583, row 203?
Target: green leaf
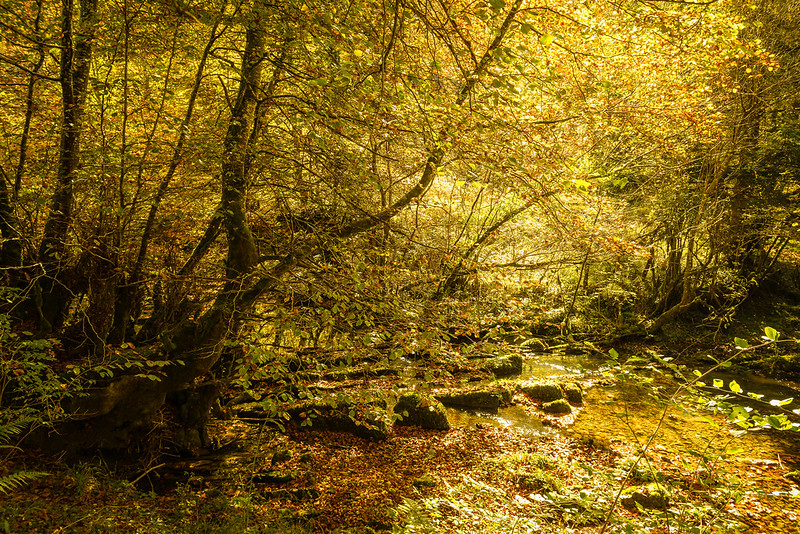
column 784, row 402
column 613, row 353
column 740, row 343
column 735, row 387
column 777, row 422
column 771, row 334
column 546, row 39
column 497, row 5
column 718, row 383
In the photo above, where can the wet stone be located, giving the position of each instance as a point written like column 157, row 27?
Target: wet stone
column 573, row 392
column 559, row 406
column 544, row 392
column 505, row 365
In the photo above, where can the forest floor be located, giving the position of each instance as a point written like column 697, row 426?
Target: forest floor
column 480, row 478
column 476, row 477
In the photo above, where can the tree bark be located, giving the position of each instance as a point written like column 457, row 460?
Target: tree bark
column 76, row 57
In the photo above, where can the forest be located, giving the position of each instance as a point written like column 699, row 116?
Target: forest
column 399, row 265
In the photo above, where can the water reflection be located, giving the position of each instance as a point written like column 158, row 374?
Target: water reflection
column 514, row 417
column 543, row 365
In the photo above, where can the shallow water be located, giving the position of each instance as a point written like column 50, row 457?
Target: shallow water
column 534, row 365
column 550, row 364
column 611, row 414
column 513, row 417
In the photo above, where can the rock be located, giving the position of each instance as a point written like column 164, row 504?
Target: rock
column 282, row 456
column 425, row 481
column 471, row 399
column 560, row 406
column 421, row 410
column 573, row 392
column 543, row 392
column 652, row 495
column 250, row 410
column 365, row 420
column 505, row 365
column 369, row 428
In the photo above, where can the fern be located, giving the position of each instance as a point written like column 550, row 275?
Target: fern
column 19, row 479
column 12, row 428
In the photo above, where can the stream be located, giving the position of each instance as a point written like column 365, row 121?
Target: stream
column 612, row 414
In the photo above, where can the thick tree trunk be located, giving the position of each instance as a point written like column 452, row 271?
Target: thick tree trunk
column 76, row 57
column 11, row 248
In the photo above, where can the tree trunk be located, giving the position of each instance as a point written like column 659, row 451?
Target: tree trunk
column 76, row 57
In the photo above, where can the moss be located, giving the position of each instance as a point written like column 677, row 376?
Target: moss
column 559, row 406
column 425, row 481
column 651, row 496
column 636, row 469
column 421, row 410
column 472, row 399
column 573, row 392
column 543, row 392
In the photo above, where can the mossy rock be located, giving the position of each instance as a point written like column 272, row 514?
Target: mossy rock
column 421, row 410
column 573, row 392
column 274, row 477
column 425, row 481
column 281, row 456
column 651, row 496
column 544, row 392
column 472, row 399
column 560, row 406
column 505, row 365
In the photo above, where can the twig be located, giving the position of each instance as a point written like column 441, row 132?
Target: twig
column 137, row 479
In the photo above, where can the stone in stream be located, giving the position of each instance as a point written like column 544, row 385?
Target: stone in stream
column 421, row 410
column 560, row 406
column 489, row 400
column 544, row 392
column 573, row 392
column 505, row 365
